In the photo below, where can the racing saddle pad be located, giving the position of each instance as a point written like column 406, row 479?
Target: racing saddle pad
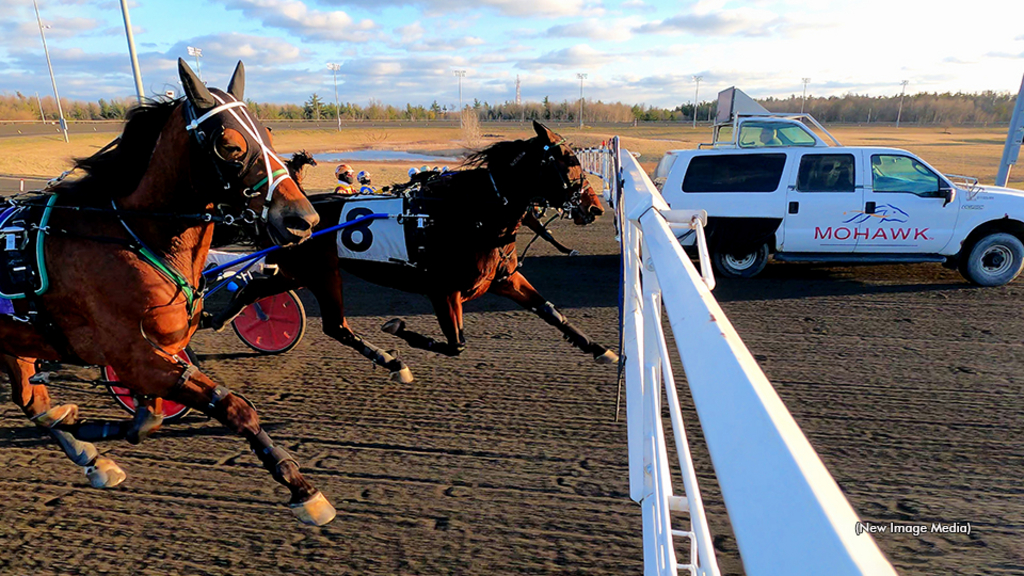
column 377, row 240
column 22, row 267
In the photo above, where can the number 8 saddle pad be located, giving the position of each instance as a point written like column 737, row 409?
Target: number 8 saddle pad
column 376, row 240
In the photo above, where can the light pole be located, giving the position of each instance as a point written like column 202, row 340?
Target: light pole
column 806, row 81
column 60, row 111
column 131, row 50
column 582, row 77
column 460, row 74
column 334, row 68
column 696, row 91
column 900, row 112
column 197, row 52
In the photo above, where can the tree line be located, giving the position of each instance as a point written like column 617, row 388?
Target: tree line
column 922, row 108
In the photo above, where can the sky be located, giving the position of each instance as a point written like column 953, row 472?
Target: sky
column 632, row 51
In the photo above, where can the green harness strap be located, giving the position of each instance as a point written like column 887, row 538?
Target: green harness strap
column 171, row 274
column 276, row 173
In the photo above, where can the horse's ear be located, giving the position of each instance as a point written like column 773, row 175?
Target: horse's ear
column 237, row 85
column 544, row 132
column 195, row 90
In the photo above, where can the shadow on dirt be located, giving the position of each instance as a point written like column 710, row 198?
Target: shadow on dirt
column 567, row 282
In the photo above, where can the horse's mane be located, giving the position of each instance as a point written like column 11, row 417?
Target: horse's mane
column 498, row 152
column 117, row 171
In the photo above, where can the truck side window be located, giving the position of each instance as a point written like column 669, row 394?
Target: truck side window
column 825, row 173
column 734, row 173
column 891, row 173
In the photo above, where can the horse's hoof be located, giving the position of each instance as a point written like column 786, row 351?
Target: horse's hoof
column 316, row 511
column 65, row 414
column 574, row 253
column 404, row 376
column 393, row 326
column 608, row 357
column 104, row 473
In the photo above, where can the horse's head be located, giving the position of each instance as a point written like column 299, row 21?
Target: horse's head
column 249, row 177
column 589, row 206
column 556, row 156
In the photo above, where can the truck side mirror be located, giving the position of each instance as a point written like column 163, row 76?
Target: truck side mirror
column 948, row 194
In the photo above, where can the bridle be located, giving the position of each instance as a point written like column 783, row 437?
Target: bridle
column 550, row 160
column 240, row 168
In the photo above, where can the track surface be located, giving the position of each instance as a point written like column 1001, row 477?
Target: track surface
column 507, row 460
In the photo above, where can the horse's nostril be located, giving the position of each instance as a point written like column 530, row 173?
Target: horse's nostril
column 297, row 224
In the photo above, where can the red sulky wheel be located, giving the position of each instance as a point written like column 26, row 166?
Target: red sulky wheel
column 273, row 325
column 123, row 396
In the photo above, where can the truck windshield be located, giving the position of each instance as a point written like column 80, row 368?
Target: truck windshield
column 774, row 134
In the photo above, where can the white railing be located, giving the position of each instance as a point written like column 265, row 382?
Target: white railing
column 788, row 514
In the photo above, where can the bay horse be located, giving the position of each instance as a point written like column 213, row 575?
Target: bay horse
column 125, row 249
column 469, row 249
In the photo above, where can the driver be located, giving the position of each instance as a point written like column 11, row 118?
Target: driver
column 767, row 137
column 365, row 186
column 346, row 180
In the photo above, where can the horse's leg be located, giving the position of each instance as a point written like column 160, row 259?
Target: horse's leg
column 328, row 292
column 518, row 289
column 34, row 401
column 149, row 416
column 258, row 288
column 448, row 308
column 186, row 384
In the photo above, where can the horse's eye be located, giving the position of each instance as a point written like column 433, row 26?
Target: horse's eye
column 231, row 146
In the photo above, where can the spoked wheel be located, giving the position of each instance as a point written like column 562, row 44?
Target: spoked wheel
column 123, row 396
column 272, row 325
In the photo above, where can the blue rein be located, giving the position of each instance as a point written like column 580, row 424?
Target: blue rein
column 252, row 258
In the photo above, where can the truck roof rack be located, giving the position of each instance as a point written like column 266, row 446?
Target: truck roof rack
column 734, row 106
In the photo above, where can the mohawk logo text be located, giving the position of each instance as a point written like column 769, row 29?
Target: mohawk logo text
column 844, row 233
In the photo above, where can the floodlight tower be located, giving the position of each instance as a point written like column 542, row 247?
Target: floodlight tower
column 806, row 81
column 60, row 111
column 337, row 107
column 902, row 92
column 460, row 74
column 582, row 77
column 131, row 50
column 696, row 91
column 197, row 52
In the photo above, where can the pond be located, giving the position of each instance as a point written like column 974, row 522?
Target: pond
column 383, row 156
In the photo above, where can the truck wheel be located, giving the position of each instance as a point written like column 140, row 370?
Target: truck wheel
column 741, row 265
column 994, row 260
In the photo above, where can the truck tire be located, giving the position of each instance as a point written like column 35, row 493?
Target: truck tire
column 741, row 265
column 993, row 260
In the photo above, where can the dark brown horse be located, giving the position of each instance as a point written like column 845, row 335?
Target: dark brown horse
column 125, row 249
column 467, row 248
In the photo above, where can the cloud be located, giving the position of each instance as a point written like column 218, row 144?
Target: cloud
column 580, row 56
column 410, row 33
column 227, row 48
column 295, row 17
column 741, row 22
column 593, row 29
column 446, row 45
column 634, row 4
column 517, row 8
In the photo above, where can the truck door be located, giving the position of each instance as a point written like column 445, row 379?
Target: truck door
column 904, row 207
column 823, row 199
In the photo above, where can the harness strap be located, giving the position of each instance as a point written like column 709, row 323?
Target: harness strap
column 162, row 266
column 213, row 112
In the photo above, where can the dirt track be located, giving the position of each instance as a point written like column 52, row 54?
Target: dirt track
column 506, row 460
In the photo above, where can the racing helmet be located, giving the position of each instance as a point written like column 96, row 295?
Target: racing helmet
column 345, row 173
column 363, row 177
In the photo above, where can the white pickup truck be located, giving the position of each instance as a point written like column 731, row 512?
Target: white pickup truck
column 778, row 189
